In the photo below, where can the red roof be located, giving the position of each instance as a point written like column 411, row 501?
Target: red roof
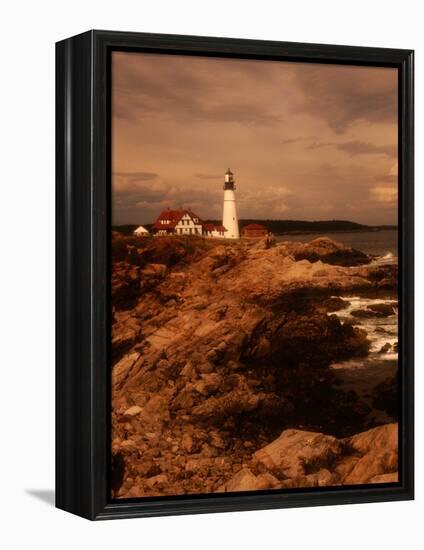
column 168, row 214
column 211, row 227
column 208, row 226
column 173, row 217
column 255, row 226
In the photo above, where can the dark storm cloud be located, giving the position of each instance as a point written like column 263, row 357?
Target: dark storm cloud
column 304, row 141
column 138, row 183
column 178, row 92
column 138, row 199
column 345, row 95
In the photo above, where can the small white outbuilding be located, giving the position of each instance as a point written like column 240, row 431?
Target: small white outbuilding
column 141, row 232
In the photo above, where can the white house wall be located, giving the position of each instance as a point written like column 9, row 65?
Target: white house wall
column 186, row 226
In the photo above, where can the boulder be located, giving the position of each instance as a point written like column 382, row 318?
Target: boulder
column 188, row 371
column 374, row 463
column 155, row 413
column 383, row 309
column 128, row 446
column 379, row 450
column 125, row 369
column 385, row 478
column 335, row 303
column 151, row 275
column 187, row 443
column 244, row 480
column 384, row 349
column 208, row 384
column 322, row 478
column 298, row 452
column 383, row 438
column 125, row 286
column 186, row 398
column 196, row 465
column 133, row 411
column 329, row 252
column 363, row 313
column 267, row 481
column 160, row 479
column 123, row 338
column 234, row 403
column 317, row 339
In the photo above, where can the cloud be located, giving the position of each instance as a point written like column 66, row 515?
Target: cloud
column 303, row 146
column 342, row 95
column 384, row 194
column 209, row 176
column 184, row 88
column 357, row 147
column 138, row 182
column 140, row 176
column 140, row 196
column 135, row 177
column 363, row 148
column 320, row 144
column 272, row 200
column 387, row 178
column 290, row 141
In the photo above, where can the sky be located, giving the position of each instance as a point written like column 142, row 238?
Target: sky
column 305, row 141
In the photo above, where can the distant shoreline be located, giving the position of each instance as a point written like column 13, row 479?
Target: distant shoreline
column 312, row 232
column 289, row 227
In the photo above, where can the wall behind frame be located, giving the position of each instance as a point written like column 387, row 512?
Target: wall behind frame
column 27, row 276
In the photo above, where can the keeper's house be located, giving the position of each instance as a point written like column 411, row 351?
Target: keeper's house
column 141, row 232
column 216, row 231
column 254, row 231
column 178, row 222
column 185, row 222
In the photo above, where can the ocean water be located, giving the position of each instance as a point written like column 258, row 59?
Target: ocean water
column 380, row 330
column 363, row 374
column 381, row 245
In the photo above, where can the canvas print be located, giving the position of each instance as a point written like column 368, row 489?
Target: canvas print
column 254, row 304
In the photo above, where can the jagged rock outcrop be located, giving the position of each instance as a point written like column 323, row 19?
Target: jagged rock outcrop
column 306, row 459
column 386, row 395
column 328, row 252
column 218, row 347
column 298, row 452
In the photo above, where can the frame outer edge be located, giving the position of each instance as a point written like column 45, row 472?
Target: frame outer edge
column 407, row 262
column 74, row 418
column 81, row 247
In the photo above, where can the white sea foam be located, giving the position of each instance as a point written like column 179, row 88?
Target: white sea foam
column 380, row 330
column 386, row 259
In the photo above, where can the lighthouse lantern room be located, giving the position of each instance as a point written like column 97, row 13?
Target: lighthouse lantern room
column 229, row 216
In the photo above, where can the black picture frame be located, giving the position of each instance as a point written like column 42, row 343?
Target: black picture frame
column 82, row 272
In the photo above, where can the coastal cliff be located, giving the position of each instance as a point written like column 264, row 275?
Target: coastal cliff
column 221, row 376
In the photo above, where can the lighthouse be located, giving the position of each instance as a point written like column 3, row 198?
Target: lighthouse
column 229, row 216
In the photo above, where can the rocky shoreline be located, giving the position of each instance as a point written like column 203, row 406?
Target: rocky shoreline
column 221, row 377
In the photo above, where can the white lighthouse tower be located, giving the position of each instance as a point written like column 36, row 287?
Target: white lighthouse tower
column 229, row 216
